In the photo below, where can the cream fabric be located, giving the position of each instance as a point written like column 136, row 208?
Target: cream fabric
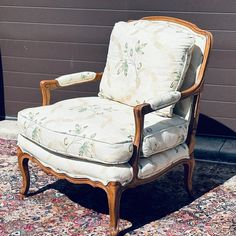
column 87, row 128
column 69, row 79
column 165, row 134
column 164, row 100
column 75, row 167
column 184, row 106
column 122, row 173
column 98, row 129
column 158, row 162
column 145, row 58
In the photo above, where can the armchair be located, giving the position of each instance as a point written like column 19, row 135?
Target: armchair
column 143, row 122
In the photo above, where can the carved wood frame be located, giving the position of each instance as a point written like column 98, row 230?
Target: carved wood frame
column 114, row 189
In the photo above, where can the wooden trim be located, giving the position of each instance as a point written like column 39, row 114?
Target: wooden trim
column 21, row 155
column 139, row 112
column 188, row 174
column 114, row 189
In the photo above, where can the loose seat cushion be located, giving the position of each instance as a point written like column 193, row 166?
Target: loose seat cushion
column 103, row 173
column 146, row 58
column 98, row 129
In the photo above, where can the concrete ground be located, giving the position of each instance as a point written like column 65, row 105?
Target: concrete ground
column 8, row 129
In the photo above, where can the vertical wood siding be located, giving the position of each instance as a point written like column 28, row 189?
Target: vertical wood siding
column 43, row 39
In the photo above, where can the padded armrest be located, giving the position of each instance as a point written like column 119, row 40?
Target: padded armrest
column 70, row 79
column 165, row 100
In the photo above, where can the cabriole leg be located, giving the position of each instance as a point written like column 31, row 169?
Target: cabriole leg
column 114, row 192
column 24, row 168
column 188, row 174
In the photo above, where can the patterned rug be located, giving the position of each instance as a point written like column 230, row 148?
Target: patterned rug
column 59, row 208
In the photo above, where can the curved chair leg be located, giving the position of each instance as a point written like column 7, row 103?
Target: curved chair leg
column 24, row 168
column 188, row 175
column 114, row 192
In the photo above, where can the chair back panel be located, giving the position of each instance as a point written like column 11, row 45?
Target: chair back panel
column 195, row 72
column 146, row 58
column 183, row 107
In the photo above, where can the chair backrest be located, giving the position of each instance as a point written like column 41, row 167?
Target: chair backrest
column 196, row 70
column 195, row 67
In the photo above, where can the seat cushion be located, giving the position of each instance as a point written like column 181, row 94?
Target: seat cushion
column 98, row 129
column 103, row 173
column 146, row 58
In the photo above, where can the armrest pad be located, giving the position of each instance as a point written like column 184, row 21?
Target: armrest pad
column 164, row 100
column 70, row 79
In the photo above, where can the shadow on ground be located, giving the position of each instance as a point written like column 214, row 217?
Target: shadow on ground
column 153, row 201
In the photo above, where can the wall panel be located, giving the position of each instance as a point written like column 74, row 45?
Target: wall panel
column 47, row 38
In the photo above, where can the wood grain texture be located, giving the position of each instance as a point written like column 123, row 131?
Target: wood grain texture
column 59, row 37
column 55, row 33
column 220, row 76
column 106, row 17
column 49, row 50
column 163, row 5
column 47, row 66
column 219, row 93
column 218, row 109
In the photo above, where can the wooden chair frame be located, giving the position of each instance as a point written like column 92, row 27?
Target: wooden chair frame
column 114, row 189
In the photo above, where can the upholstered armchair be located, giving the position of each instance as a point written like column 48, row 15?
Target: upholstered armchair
column 141, row 124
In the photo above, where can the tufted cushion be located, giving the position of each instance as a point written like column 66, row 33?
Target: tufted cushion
column 145, row 58
column 98, row 129
column 122, row 173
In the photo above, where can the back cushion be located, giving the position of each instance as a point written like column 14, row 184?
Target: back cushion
column 145, row 59
column 183, row 107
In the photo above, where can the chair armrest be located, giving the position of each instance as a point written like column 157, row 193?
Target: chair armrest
column 165, row 100
column 193, row 90
column 64, row 81
column 75, row 78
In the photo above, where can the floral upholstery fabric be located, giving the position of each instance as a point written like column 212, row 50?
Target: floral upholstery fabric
column 103, row 173
column 91, row 128
column 66, row 80
column 164, row 100
column 160, row 161
column 183, row 107
column 145, row 58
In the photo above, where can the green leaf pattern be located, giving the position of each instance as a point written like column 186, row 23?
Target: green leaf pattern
column 131, row 58
column 35, row 131
column 81, row 137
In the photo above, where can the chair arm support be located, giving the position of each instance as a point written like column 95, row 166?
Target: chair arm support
column 139, row 113
column 46, row 86
column 66, row 80
column 165, row 100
